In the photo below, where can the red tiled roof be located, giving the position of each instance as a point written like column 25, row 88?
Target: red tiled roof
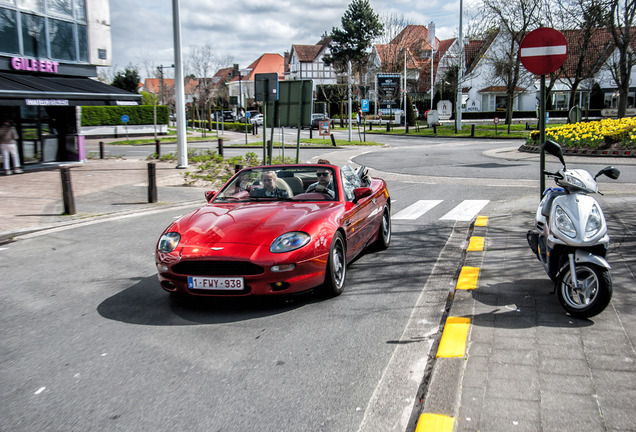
column 267, row 63
column 307, row 53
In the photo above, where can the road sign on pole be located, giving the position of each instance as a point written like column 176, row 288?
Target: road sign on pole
column 543, row 51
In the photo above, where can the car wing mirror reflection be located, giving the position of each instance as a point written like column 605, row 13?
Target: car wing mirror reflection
column 209, row 195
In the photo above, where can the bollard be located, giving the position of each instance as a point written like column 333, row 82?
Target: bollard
column 388, row 126
column 158, row 148
column 101, row 149
column 152, row 183
column 333, row 140
column 472, row 130
column 370, row 126
column 255, row 129
column 237, row 168
column 67, row 191
column 220, row 146
column 311, row 132
column 435, row 129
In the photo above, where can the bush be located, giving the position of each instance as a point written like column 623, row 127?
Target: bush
column 111, row 115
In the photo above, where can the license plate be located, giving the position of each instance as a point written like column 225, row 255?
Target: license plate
column 216, row 283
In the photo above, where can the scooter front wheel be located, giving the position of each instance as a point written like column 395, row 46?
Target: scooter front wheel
column 591, row 296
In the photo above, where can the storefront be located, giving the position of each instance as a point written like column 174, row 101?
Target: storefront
column 49, row 52
column 44, row 101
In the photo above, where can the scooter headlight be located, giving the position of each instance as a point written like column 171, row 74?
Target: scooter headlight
column 594, row 223
column 574, row 181
column 564, row 223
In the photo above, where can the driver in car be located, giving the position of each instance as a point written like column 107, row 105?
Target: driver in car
column 324, row 183
column 269, row 188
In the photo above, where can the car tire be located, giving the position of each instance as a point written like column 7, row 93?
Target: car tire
column 336, row 267
column 384, row 232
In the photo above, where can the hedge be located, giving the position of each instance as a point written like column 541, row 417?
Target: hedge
column 111, row 115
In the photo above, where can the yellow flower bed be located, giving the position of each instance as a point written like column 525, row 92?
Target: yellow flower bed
column 593, row 134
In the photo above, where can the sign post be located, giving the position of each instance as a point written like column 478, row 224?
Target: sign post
column 543, row 51
column 125, row 119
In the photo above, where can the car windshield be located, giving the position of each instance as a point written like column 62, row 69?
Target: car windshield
column 281, row 183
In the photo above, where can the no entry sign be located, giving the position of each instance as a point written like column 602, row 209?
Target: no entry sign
column 543, row 50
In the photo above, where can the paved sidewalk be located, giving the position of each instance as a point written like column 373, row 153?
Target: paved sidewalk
column 33, row 200
column 529, row 366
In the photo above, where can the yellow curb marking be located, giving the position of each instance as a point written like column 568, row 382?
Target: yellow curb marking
column 453, row 342
column 468, row 278
column 481, row 221
column 476, row 244
column 435, row 423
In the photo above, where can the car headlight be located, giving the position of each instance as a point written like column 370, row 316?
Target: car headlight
column 289, row 241
column 594, row 223
column 564, row 223
column 169, row 241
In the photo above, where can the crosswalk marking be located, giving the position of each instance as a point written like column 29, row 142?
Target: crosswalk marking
column 466, row 210
column 416, row 209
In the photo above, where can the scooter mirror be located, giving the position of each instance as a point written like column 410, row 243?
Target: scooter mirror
column 554, row 149
column 609, row 171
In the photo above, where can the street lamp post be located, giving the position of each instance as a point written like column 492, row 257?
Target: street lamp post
column 182, row 145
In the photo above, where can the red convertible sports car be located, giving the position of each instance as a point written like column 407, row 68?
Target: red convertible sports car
column 276, row 229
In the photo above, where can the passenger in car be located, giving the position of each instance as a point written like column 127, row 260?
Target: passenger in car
column 269, row 188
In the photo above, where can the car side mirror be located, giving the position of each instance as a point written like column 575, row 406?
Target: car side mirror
column 209, row 195
column 360, row 193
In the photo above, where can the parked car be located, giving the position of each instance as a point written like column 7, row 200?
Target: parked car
column 257, row 119
column 315, row 118
column 264, row 234
column 252, row 113
column 228, row 116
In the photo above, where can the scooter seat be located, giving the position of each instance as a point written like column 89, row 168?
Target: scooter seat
column 551, row 194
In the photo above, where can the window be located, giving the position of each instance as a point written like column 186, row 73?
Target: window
column 62, row 40
column 33, row 36
column 8, row 32
column 32, row 5
column 60, row 7
column 43, row 36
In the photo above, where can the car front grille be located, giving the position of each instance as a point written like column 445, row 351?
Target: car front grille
column 217, row 268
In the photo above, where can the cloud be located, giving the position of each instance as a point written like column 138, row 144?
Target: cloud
column 246, row 30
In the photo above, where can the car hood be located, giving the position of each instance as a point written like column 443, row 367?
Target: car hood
column 252, row 223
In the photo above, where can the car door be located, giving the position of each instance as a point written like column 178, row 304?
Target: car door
column 358, row 220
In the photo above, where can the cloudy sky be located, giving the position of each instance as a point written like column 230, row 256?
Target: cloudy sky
column 142, row 29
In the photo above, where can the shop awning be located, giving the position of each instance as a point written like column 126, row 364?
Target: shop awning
column 37, row 90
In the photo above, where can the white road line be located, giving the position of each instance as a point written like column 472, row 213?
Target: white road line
column 466, row 210
column 416, row 210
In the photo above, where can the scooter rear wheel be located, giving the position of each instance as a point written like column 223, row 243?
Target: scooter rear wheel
column 592, row 295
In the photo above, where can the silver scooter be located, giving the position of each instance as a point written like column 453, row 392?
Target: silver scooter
column 571, row 238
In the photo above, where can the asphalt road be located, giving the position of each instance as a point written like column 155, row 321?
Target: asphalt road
column 90, row 342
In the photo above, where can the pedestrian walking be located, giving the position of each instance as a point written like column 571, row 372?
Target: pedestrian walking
column 8, row 137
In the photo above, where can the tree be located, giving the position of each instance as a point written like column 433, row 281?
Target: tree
column 585, row 17
column 619, row 18
column 360, row 26
column 129, row 80
column 515, row 17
